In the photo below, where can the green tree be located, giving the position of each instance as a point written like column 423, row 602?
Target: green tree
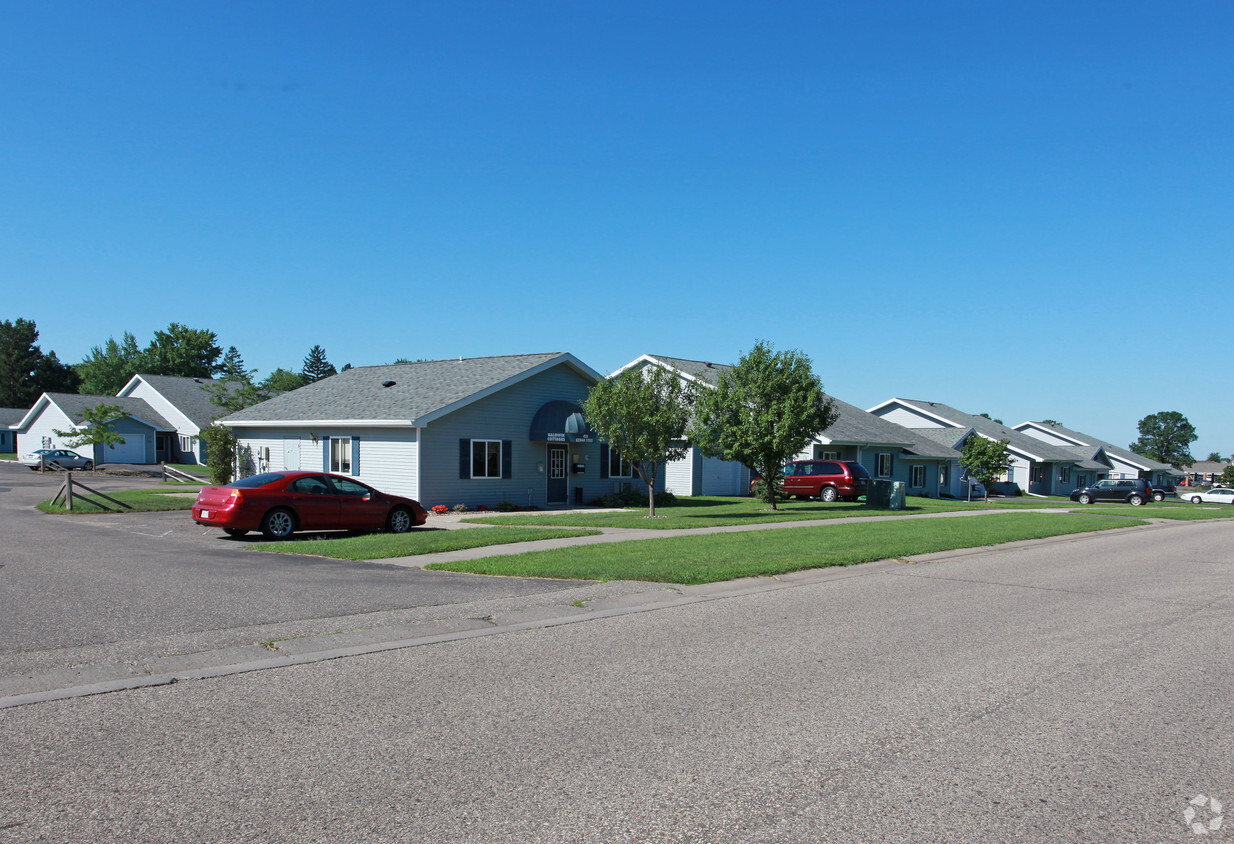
column 232, row 368
column 1166, row 437
column 220, row 445
column 316, row 366
column 184, row 351
column 25, row 372
column 1054, row 422
column 985, row 460
column 1214, row 457
column 762, row 412
column 52, row 376
column 1227, row 476
column 643, row 415
column 283, row 381
column 109, row 367
column 96, row 428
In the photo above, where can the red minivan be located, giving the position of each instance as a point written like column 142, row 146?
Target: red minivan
column 825, row 479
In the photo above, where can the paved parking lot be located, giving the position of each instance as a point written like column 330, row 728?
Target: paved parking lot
column 103, row 587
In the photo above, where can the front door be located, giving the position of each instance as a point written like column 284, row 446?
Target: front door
column 558, row 481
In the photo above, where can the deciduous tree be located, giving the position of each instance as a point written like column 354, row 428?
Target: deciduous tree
column 97, row 428
column 762, row 412
column 184, row 351
column 1166, row 437
column 986, row 460
column 109, row 367
column 283, row 381
column 643, row 415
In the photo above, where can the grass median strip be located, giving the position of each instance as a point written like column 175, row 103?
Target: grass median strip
column 145, row 500
column 1183, row 512
column 381, row 546
column 725, row 556
column 716, row 511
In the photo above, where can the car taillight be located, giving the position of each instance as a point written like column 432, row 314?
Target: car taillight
column 237, row 497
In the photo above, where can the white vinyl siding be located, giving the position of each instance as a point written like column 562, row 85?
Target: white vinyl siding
column 388, row 456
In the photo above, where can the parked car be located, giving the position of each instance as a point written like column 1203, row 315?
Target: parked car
column 1134, row 491
column 56, row 458
column 1160, row 492
column 825, row 479
column 1216, row 495
column 281, row 503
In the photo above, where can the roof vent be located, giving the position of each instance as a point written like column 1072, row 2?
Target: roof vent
column 387, row 383
column 709, row 364
column 198, row 380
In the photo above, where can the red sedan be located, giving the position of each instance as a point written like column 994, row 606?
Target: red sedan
column 281, row 503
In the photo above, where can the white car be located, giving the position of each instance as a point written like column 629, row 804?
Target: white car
column 56, row 458
column 1216, row 495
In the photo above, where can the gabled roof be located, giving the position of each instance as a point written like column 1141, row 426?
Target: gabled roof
column 937, row 442
column 855, row 426
column 402, row 394
column 191, row 396
column 73, row 405
column 1087, row 456
column 701, row 370
column 1017, row 441
column 1124, row 454
column 10, row 416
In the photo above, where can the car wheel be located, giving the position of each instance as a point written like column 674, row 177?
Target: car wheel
column 399, row 520
column 1158, row 496
column 279, row 523
column 1135, row 500
column 88, row 465
column 1195, row 499
column 828, row 494
column 235, row 531
column 1085, row 499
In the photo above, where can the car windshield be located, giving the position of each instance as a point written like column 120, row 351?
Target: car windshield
column 256, row 480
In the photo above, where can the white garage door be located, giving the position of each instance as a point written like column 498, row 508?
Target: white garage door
column 132, row 450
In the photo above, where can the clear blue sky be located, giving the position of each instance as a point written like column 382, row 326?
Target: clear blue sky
column 1019, row 208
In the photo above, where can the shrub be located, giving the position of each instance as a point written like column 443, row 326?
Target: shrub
column 759, row 490
column 440, row 509
column 507, row 506
column 460, row 508
column 633, row 498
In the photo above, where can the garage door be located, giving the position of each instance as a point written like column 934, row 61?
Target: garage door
column 132, row 450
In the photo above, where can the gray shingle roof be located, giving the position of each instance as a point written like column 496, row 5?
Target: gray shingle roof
column 702, row 369
column 935, row 442
column 988, row 427
column 855, row 425
column 416, row 389
column 74, row 404
column 1110, row 448
column 12, row 415
column 190, row 395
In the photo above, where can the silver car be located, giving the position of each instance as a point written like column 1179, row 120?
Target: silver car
column 56, row 458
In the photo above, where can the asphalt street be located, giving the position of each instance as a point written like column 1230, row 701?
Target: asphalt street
column 1068, row 691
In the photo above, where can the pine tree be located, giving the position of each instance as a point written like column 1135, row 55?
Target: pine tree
column 316, row 366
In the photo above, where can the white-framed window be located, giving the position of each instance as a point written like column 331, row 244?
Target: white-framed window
column 917, row 479
column 944, row 475
column 486, row 458
column 882, row 464
column 618, row 466
column 340, row 455
column 186, row 443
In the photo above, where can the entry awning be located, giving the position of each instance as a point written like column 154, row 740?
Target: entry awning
column 561, row 422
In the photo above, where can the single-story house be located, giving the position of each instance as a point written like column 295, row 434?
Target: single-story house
column 885, row 449
column 1037, row 467
column 139, row 424
column 1123, row 462
column 8, row 439
column 1203, row 472
column 696, row 473
column 161, row 418
column 474, row 431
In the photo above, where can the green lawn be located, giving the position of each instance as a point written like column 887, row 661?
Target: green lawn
column 378, row 546
column 715, row 557
column 9, row 456
column 1164, row 510
column 715, row 511
column 163, row 498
